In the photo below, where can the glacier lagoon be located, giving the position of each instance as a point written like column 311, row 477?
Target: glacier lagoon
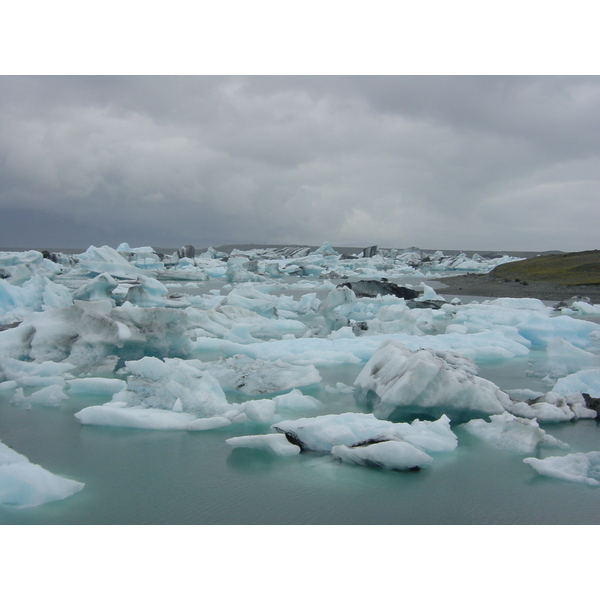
column 277, row 311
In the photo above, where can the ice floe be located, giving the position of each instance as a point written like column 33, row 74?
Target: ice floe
column 512, row 433
column 579, row 467
column 25, row 484
column 431, row 382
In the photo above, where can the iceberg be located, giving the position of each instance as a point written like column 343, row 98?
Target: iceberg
column 25, row 484
column 580, row 467
column 88, row 334
column 585, row 381
column 399, row 381
column 35, row 295
column 322, row 433
column 516, row 434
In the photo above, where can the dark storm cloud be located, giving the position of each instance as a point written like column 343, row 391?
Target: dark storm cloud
column 448, row 162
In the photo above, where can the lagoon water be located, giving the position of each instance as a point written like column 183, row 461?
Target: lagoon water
column 176, row 477
column 134, row 476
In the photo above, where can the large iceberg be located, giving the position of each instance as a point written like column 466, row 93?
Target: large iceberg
column 88, row 334
column 173, row 386
column 397, row 381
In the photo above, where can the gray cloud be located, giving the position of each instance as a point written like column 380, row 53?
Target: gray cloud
column 491, row 163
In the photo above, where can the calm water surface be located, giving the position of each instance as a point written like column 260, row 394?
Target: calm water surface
column 170, row 477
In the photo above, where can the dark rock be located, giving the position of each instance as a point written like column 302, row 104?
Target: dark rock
column 372, row 288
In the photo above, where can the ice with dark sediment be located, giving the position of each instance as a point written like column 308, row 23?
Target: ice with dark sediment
column 316, row 343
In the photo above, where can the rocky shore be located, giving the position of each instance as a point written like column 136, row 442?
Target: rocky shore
column 498, row 287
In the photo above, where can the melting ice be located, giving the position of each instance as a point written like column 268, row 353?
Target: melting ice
column 220, row 340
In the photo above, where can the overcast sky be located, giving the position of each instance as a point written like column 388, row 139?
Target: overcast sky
column 450, row 162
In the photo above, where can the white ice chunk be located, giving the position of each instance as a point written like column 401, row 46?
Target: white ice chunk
column 137, row 417
column 36, row 294
column 25, row 484
column 586, row 309
column 586, row 381
column 321, row 433
column 51, row 395
column 340, row 388
column 259, row 411
column 147, row 292
column 163, row 395
column 98, row 288
column 153, row 383
column 108, row 260
column 296, row 401
column 512, row 433
column 276, row 443
column 565, row 358
column 429, row 381
column 87, row 333
column 578, row 467
column 392, row 455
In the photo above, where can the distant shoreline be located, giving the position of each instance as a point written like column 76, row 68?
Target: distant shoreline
column 496, row 287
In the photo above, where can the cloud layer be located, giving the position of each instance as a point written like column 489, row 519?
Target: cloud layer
column 490, row 163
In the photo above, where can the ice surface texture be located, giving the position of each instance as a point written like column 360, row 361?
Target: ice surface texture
column 512, row 433
column 255, row 346
column 579, row 467
column 428, row 381
column 25, row 484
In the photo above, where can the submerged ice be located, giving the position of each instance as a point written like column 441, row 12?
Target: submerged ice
column 258, row 339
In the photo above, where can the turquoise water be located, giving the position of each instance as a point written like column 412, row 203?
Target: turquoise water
column 173, row 477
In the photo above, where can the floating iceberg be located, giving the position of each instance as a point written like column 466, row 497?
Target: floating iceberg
column 88, row 334
column 512, row 433
column 25, row 484
column 169, row 394
column 399, row 381
column 321, row 434
column 585, row 381
column 36, row 294
column 580, row 467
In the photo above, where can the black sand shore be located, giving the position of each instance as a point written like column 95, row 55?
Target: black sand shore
column 498, row 287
